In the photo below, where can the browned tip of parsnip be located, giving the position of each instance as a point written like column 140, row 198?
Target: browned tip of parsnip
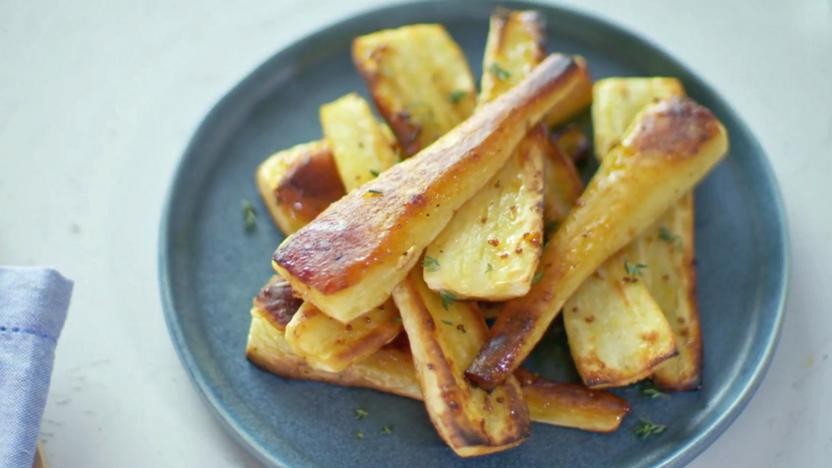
column 571, row 404
column 669, row 147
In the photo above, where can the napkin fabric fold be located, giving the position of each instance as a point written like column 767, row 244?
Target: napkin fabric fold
column 33, row 305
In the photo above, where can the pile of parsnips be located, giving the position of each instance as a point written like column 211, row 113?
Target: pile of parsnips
column 400, row 232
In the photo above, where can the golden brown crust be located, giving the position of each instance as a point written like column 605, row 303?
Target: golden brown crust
column 311, row 185
column 570, row 404
column 334, row 251
column 675, row 128
column 608, row 378
column 277, row 302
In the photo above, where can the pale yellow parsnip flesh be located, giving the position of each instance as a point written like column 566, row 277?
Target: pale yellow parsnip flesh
column 617, row 333
column 490, row 248
column 360, row 145
column 327, row 344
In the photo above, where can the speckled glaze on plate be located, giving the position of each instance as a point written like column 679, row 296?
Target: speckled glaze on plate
column 209, row 267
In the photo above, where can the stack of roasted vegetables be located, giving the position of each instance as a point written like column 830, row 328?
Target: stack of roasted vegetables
column 406, row 239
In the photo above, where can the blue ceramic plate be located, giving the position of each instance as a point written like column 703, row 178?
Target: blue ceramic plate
column 210, row 268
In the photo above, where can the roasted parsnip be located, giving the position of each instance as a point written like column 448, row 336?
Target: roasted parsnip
column 350, row 258
column 617, row 334
column 276, row 302
column 297, row 184
column 667, row 246
column 491, row 247
column 361, row 146
column 390, row 370
column 616, row 102
column 330, row 345
column 419, row 80
column 444, row 337
column 669, row 147
column 571, row 405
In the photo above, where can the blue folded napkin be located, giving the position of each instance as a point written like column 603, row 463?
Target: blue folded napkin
column 33, row 304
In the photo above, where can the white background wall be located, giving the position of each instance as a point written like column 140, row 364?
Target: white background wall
column 99, row 98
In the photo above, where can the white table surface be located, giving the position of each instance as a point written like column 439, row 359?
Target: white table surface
column 98, row 100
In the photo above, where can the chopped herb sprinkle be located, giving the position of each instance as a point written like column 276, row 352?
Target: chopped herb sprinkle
column 499, row 72
column 457, row 96
column 359, row 435
column 430, row 264
column 447, row 298
column 667, row 235
column 537, row 277
column 447, row 322
column 374, row 193
column 361, row 413
column 633, row 269
column 645, row 429
column 387, row 429
column 374, row 172
column 249, row 215
column 488, row 268
column 648, row 389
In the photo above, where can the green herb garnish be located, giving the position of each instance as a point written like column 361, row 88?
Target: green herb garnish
column 361, row 413
column 649, row 389
column 457, row 96
column 359, row 435
column 537, row 277
column 447, row 298
column 633, row 269
column 667, row 235
column 447, row 322
column 374, row 172
column 249, row 215
column 430, row 264
column 388, row 429
column 488, row 268
column 374, row 192
column 499, row 72
column 645, row 429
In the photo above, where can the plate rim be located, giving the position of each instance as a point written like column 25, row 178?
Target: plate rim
column 683, row 453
